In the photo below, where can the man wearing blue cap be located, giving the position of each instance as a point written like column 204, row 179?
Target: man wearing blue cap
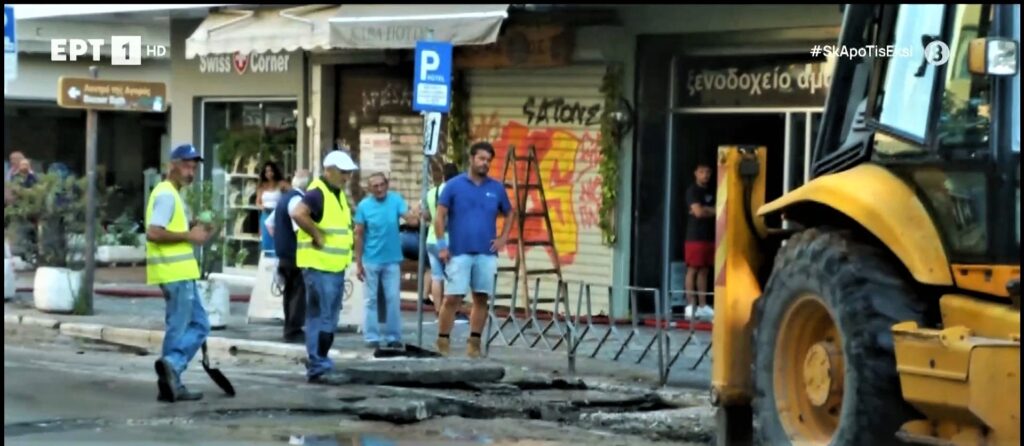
column 171, row 264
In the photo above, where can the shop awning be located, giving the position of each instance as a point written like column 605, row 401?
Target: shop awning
column 324, row 27
column 400, row 26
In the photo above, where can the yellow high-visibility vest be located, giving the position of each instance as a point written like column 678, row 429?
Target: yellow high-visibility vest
column 336, row 225
column 169, row 262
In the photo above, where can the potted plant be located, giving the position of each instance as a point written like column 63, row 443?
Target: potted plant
column 48, row 219
column 122, row 243
column 214, row 294
column 238, row 150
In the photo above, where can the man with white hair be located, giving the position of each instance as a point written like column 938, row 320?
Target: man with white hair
column 324, row 250
column 282, row 227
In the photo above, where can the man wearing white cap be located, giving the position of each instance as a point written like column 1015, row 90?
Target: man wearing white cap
column 324, row 243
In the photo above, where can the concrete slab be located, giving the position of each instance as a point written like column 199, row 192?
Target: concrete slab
column 399, row 411
column 427, row 372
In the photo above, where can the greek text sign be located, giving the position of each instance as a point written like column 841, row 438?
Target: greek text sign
column 101, row 94
column 716, row 83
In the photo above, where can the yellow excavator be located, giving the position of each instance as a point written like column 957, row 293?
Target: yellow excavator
column 886, row 308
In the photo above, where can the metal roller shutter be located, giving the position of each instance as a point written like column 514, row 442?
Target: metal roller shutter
column 557, row 110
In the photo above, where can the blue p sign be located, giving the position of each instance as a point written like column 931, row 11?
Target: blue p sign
column 432, row 79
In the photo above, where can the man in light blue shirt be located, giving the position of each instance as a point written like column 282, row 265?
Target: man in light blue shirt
column 378, row 256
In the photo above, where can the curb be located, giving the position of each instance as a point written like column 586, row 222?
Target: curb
column 153, row 339
column 82, row 330
column 131, row 336
column 52, row 324
column 138, row 293
column 680, row 324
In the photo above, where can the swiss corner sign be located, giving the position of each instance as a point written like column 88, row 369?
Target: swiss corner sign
column 239, row 63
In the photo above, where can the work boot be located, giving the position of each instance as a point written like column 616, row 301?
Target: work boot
column 444, row 346
column 166, row 380
column 184, row 394
column 330, row 378
column 473, row 347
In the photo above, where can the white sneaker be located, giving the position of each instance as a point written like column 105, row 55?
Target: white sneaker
column 705, row 313
column 688, row 313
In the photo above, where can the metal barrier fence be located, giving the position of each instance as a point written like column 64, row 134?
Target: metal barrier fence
column 568, row 327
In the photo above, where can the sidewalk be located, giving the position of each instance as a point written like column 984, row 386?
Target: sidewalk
column 139, row 321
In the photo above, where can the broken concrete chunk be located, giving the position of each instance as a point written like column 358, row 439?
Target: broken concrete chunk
column 394, row 410
column 422, row 372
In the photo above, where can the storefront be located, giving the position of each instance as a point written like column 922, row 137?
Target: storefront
column 344, row 73
column 241, row 110
column 759, row 88
column 536, row 95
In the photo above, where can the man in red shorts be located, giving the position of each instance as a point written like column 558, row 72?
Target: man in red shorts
column 700, row 241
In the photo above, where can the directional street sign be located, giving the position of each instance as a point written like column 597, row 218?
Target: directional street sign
column 431, row 84
column 431, row 130
column 10, row 45
column 102, row 94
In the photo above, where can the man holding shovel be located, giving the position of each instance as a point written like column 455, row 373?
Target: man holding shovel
column 171, row 263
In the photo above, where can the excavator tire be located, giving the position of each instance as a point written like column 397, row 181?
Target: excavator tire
column 857, row 292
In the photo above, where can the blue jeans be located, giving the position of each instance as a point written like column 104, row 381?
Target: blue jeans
column 388, row 276
column 186, row 325
column 323, row 304
column 436, row 267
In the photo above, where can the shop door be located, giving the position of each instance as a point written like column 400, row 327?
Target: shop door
column 238, row 138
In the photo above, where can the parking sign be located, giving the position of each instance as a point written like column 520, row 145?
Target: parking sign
column 431, row 84
column 10, row 45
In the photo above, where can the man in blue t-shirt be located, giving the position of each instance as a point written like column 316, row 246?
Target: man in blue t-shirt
column 378, row 256
column 469, row 208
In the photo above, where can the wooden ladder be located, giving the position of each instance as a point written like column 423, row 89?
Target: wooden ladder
column 521, row 190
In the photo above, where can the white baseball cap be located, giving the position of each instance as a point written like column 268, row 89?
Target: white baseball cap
column 341, row 160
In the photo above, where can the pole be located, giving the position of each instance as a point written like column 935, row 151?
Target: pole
column 90, row 202
column 421, row 260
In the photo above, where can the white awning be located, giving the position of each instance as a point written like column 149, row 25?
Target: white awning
column 400, row 26
column 262, row 30
column 323, row 27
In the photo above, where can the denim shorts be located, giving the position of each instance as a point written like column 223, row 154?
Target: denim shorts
column 471, row 270
column 436, row 267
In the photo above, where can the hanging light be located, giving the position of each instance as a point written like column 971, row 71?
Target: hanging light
column 622, row 117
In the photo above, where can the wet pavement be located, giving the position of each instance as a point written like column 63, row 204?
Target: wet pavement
column 68, row 391
column 148, row 313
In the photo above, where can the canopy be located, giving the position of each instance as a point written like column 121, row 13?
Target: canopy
column 323, row 27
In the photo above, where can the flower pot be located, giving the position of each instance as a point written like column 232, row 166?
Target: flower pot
column 216, row 300
column 55, row 289
column 120, row 254
column 9, row 279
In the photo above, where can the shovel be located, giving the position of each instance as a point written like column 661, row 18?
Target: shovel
column 216, row 375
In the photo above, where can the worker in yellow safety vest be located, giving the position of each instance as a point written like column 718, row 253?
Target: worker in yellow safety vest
column 171, row 264
column 324, row 251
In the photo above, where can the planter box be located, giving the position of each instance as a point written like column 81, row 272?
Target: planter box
column 216, row 300
column 9, row 279
column 55, row 289
column 120, row 254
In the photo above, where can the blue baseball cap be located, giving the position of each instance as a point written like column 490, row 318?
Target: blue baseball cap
column 185, row 152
